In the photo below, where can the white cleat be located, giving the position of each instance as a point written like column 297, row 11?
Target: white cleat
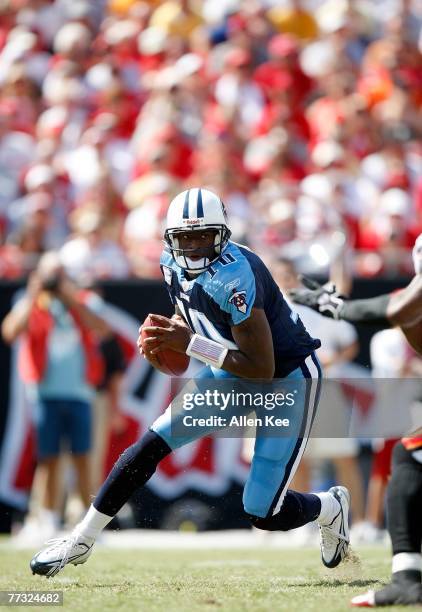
column 51, row 560
column 334, row 538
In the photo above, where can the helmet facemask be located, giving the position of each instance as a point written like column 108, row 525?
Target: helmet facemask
column 208, row 254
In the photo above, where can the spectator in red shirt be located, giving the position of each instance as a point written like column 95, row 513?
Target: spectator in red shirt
column 283, row 67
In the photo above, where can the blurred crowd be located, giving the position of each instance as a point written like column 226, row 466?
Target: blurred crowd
column 304, row 116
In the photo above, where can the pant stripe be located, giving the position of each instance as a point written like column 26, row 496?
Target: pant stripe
column 313, row 371
column 310, row 369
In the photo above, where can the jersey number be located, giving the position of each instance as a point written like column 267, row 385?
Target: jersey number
column 225, row 259
column 203, row 326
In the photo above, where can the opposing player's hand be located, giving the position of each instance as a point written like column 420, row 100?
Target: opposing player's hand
column 167, row 334
column 325, row 299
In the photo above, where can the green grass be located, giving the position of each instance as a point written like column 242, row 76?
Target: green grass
column 181, row 580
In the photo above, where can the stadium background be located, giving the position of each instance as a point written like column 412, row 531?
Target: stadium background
column 306, row 120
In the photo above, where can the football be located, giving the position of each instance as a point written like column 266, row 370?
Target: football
column 170, row 362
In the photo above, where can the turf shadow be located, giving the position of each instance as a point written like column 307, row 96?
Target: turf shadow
column 334, row 583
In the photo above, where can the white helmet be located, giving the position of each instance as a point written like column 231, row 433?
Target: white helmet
column 193, row 210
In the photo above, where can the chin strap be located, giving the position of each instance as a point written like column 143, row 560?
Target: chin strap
column 195, row 267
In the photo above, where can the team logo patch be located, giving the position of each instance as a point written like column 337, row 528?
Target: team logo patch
column 238, row 299
column 167, row 274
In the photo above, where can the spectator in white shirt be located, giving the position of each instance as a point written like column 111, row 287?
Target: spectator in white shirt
column 90, row 254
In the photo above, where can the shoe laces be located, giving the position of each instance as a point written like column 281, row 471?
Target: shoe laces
column 67, row 548
column 64, row 547
column 56, row 542
column 330, row 537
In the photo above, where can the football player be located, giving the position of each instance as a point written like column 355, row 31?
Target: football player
column 230, row 315
column 404, row 493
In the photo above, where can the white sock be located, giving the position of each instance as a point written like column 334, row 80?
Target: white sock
column 406, row 561
column 329, row 508
column 93, row 522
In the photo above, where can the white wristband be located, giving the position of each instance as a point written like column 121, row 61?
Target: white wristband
column 206, row 350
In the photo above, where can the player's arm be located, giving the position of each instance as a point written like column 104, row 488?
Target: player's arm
column 326, row 300
column 253, row 359
column 372, row 311
column 414, row 336
column 402, row 309
column 405, row 307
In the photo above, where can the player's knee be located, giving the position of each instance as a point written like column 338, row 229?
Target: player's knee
column 282, row 521
column 288, row 517
column 261, row 522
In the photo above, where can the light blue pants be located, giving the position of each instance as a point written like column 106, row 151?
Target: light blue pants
column 275, row 457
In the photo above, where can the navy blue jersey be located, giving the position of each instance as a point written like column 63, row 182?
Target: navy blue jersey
column 223, row 296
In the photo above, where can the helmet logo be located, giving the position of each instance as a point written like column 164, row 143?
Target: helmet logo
column 200, row 221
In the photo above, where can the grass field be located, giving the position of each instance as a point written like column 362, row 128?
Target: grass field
column 182, row 580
